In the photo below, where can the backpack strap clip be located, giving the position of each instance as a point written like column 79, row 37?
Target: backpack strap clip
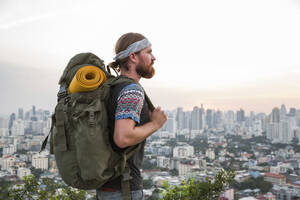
column 67, row 99
column 62, row 92
column 126, row 174
column 91, row 118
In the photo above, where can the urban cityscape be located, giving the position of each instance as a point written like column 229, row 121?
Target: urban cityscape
column 262, row 148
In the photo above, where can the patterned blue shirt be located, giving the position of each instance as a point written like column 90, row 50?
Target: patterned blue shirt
column 130, row 103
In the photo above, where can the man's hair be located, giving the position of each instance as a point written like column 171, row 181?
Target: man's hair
column 123, row 42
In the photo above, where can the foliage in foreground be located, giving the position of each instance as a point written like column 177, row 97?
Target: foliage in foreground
column 46, row 189
column 194, row 190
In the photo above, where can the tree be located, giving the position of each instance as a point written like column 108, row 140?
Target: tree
column 174, row 172
column 295, row 141
column 31, row 189
column 36, row 172
column 199, row 144
column 155, row 195
column 171, row 142
column 148, row 165
column 254, row 183
column 194, row 190
column 4, row 186
column 147, row 184
column 22, row 151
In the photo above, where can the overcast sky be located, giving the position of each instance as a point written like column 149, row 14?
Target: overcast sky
column 224, row 54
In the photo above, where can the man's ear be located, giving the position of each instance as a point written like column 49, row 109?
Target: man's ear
column 133, row 58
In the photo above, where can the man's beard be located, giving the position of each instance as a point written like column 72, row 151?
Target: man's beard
column 145, row 71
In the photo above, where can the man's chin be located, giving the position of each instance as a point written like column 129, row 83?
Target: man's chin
column 150, row 74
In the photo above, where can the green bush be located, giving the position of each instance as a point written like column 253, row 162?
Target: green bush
column 31, row 189
column 194, row 190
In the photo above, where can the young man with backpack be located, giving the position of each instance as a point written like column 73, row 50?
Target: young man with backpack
column 130, row 120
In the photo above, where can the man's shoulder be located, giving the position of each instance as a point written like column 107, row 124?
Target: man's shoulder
column 132, row 87
column 127, row 88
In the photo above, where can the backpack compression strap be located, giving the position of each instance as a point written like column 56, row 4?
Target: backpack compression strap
column 125, row 185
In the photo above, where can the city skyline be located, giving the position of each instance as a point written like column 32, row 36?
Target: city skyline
column 201, row 106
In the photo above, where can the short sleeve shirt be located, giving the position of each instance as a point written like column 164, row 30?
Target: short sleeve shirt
column 130, row 103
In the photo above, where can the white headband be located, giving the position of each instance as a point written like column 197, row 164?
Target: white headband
column 133, row 48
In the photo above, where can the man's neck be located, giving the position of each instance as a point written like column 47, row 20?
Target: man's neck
column 131, row 75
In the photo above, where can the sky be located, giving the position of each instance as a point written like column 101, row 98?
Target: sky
column 225, row 55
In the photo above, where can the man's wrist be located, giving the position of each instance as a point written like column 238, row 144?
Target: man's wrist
column 155, row 125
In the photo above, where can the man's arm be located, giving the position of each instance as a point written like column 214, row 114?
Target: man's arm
column 127, row 134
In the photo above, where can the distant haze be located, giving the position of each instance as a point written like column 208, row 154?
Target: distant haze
column 225, row 55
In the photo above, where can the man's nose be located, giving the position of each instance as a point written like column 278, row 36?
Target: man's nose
column 153, row 57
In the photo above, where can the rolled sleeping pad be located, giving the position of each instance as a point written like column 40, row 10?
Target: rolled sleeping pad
column 87, row 78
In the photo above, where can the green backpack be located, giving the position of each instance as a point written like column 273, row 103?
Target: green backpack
column 79, row 132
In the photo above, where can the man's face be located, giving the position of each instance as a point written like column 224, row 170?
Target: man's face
column 145, row 65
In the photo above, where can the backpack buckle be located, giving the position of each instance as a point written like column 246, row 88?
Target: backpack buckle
column 62, row 92
column 126, row 176
column 67, row 99
column 91, row 118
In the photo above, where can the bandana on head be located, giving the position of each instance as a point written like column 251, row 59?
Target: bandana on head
column 133, row 48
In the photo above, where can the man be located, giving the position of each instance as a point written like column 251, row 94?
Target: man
column 130, row 120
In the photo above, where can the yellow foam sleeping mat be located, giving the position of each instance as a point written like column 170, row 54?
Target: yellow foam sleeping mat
column 86, row 79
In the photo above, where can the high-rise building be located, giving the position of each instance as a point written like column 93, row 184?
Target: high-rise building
column 183, row 151
column 4, row 122
column 285, row 132
column 202, row 109
column 187, row 120
column 9, row 149
column 209, row 153
column 282, row 110
column 292, row 112
column 20, row 113
column 185, row 167
column 4, row 132
column 170, row 124
column 163, row 162
column 252, row 115
column 40, row 161
column 38, row 126
column 45, row 115
column 275, row 116
column 7, row 161
column 263, row 118
column 180, row 118
column 217, row 119
column 297, row 134
column 209, row 118
column 18, row 127
column 240, row 115
column 12, row 118
column 196, row 119
column 229, row 116
column 27, row 115
column 33, row 110
column 202, row 117
column 272, row 130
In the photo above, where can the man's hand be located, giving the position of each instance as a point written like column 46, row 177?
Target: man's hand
column 158, row 117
